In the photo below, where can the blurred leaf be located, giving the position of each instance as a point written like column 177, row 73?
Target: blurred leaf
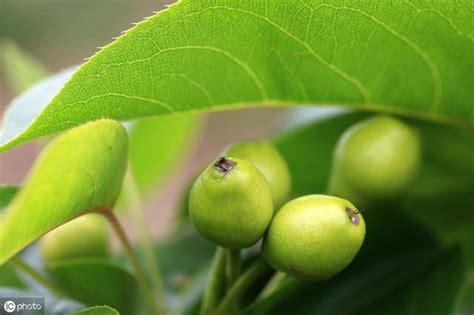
column 198, row 56
column 8, row 276
column 97, row 310
column 80, row 171
column 443, row 197
column 399, row 272
column 158, row 145
column 181, row 257
column 20, row 69
column 95, row 281
column 6, row 195
column 436, row 292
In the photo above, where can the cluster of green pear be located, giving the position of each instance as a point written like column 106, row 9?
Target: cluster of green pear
column 237, row 200
column 243, row 197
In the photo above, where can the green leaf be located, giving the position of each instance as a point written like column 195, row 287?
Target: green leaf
column 97, row 310
column 158, row 145
column 436, row 293
column 181, row 257
column 198, row 56
column 8, row 276
column 81, row 171
column 96, row 282
column 20, row 69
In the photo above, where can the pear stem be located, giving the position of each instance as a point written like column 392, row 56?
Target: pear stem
column 139, row 271
column 234, row 266
column 273, row 284
column 23, row 266
column 252, row 274
column 134, row 205
column 216, row 283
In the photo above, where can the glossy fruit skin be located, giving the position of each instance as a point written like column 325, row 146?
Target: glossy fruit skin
column 375, row 160
column 231, row 208
column 268, row 160
column 314, row 237
column 86, row 236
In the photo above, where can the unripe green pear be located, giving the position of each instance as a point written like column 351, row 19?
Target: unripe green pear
column 268, row 160
column 85, row 236
column 230, row 203
column 375, row 160
column 314, row 237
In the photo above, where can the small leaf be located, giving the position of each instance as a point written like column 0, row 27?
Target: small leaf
column 198, row 56
column 20, row 69
column 96, row 282
column 97, row 310
column 79, row 172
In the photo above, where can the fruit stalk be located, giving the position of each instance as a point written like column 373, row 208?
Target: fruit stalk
column 274, row 284
column 139, row 272
column 21, row 265
column 233, row 259
column 234, row 294
column 216, row 283
column 135, row 207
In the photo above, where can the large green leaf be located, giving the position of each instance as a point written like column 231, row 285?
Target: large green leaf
column 96, row 282
column 406, row 57
column 79, row 172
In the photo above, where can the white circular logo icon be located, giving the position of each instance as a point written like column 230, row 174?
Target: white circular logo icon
column 9, row 306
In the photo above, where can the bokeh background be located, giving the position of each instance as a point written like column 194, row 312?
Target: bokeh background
column 60, row 33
